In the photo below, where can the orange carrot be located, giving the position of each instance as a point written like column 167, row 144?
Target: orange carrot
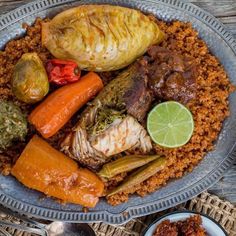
column 53, row 113
column 47, row 170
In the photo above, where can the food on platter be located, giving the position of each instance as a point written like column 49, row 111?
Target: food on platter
column 53, row 113
column 122, row 106
column 170, row 124
column 29, row 80
column 111, row 120
column 62, row 72
column 172, row 76
column 100, row 37
column 13, row 124
column 47, row 170
column 125, row 164
column 140, row 175
column 209, row 108
column 123, row 134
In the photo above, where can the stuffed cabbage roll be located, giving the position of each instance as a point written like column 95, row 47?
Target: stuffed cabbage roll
column 100, row 37
column 110, row 124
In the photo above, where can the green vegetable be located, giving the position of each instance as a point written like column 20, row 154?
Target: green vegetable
column 140, row 175
column 30, row 82
column 13, row 124
column 104, row 118
column 125, row 164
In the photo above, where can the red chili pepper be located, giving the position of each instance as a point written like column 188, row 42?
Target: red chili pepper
column 62, row 72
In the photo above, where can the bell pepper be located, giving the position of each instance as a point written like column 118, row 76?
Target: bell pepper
column 62, row 72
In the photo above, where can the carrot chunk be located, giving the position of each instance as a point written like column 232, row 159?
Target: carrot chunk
column 43, row 168
column 56, row 110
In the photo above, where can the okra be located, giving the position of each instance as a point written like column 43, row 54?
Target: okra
column 125, row 164
column 142, row 174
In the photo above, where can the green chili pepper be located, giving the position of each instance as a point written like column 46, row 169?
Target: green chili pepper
column 140, row 175
column 125, row 164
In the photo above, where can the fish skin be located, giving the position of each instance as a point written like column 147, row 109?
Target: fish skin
column 126, row 134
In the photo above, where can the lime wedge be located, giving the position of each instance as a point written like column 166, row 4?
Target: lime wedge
column 170, row 124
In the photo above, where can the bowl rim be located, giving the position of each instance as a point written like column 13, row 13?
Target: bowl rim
column 184, row 211
column 153, row 206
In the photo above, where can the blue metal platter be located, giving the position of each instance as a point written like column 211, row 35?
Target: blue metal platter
column 221, row 43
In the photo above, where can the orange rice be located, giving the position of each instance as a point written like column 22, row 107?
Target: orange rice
column 209, row 109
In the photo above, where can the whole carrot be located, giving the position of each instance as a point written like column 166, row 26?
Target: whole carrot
column 53, row 113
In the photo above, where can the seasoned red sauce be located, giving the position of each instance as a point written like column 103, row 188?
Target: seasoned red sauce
column 189, row 227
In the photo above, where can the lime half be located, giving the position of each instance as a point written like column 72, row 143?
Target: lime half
column 170, row 124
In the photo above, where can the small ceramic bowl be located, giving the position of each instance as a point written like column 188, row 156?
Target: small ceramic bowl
column 210, row 225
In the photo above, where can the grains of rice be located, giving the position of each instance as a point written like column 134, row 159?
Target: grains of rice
column 209, row 110
column 13, row 51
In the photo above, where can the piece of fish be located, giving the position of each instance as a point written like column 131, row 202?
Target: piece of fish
column 110, row 124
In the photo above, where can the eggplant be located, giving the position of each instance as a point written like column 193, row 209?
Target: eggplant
column 29, row 80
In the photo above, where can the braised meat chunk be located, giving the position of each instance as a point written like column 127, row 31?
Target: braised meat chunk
column 138, row 97
column 171, row 75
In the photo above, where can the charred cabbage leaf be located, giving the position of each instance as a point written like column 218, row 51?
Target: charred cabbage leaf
column 100, row 37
